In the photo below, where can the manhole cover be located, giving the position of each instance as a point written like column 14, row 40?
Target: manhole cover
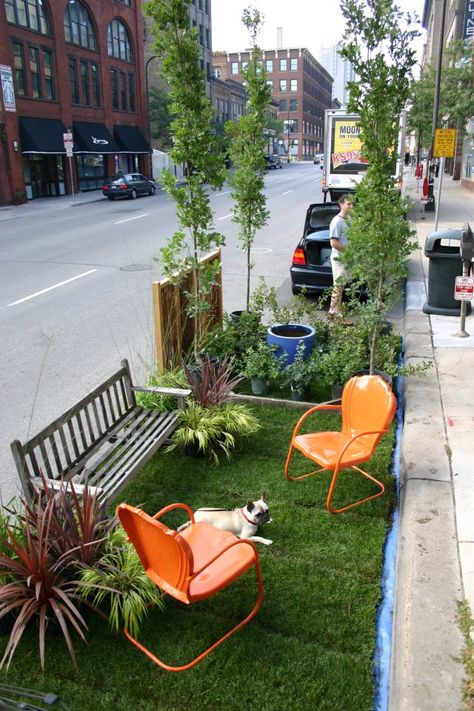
column 261, row 250
column 136, row 268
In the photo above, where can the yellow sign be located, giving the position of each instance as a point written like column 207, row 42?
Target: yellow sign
column 444, row 143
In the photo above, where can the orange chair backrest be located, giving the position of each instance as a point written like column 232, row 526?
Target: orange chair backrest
column 165, row 555
column 368, row 404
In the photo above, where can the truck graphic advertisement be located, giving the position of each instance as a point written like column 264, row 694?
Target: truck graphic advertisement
column 346, row 156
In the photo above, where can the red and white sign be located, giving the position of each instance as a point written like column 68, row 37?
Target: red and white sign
column 464, row 288
column 68, row 144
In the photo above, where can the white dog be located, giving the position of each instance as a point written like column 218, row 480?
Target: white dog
column 242, row 522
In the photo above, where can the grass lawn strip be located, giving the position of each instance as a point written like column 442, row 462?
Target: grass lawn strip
column 311, row 645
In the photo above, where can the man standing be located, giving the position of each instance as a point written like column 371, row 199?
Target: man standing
column 338, row 241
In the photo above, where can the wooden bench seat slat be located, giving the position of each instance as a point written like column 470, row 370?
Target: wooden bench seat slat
column 156, row 426
column 103, row 440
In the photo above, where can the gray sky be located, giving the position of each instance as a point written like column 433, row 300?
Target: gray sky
column 306, row 23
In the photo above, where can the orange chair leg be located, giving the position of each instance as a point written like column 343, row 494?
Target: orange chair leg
column 359, row 501
column 201, row 656
column 289, row 477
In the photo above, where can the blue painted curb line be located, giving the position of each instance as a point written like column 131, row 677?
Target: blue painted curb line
column 384, row 620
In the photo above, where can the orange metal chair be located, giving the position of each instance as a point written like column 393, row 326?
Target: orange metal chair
column 191, row 565
column 368, row 407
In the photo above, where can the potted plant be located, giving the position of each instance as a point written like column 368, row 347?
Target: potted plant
column 300, row 374
column 261, row 366
column 344, row 353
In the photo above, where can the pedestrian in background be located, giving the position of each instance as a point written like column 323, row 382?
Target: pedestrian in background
column 338, row 242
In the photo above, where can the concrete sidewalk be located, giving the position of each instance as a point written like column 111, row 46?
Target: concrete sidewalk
column 435, row 568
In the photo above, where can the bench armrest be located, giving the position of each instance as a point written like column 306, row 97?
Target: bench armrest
column 179, row 393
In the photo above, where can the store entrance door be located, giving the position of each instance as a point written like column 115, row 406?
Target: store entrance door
column 44, row 176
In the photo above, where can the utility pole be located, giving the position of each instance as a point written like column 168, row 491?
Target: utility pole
column 430, row 205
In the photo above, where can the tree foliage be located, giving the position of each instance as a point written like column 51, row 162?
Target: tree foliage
column 456, row 99
column 247, row 143
column 379, row 47
column 160, row 118
column 195, row 146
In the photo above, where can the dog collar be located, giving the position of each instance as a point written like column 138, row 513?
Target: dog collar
column 247, row 518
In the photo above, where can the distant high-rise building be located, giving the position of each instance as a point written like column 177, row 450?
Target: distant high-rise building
column 341, row 71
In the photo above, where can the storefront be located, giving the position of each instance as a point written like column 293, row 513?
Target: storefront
column 42, row 146
column 93, row 144
column 132, row 145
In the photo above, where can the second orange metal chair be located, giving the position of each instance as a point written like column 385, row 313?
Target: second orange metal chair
column 191, row 565
column 368, row 407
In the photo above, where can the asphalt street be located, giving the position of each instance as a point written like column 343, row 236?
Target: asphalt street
column 75, row 290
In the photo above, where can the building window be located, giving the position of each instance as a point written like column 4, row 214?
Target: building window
column 84, row 69
column 28, row 13
column 293, row 84
column 201, row 35
column 123, row 91
column 95, row 85
column 270, row 84
column 208, row 41
column 234, row 68
column 118, row 41
column 131, row 92
column 217, row 72
column 50, row 91
column 78, row 27
column 283, row 85
column 34, row 72
column 283, row 64
column 294, row 64
column 244, row 65
column 283, row 105
column 19, row 67
column 269, row 65
column 73, row 81
column 115, row 90
column 293, row 104
column 126, row 2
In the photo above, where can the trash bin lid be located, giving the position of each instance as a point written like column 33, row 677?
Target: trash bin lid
column 439, row 242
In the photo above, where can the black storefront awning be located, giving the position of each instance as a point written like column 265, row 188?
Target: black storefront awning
column 40, row 135
column 93, row 138
column 131, row 139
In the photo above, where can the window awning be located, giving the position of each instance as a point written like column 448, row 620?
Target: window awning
column 93, row 138
column 131, row 139
column 41, row 135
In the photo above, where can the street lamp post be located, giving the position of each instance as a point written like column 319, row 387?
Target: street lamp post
column 153, row 56
column 288, row 131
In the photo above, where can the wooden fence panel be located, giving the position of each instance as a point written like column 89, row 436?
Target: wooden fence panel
column 174, row 329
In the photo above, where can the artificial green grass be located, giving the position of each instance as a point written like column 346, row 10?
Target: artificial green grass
column 311, row 644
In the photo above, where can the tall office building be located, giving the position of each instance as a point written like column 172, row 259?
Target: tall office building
column 341, row 71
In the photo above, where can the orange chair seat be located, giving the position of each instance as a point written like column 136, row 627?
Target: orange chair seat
column 206, row 542
column 324, row 448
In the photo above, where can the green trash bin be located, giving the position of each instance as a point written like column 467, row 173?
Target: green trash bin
column 444, row 266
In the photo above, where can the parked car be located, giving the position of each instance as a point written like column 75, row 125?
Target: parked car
column 318, row 159
column 128, row 185
column 273, row 162
column 311, row 264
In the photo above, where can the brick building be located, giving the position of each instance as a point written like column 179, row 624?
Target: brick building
column 68, row 65
column 302, row 87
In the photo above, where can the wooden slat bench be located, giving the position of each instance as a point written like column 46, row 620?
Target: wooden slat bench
column 102, row 441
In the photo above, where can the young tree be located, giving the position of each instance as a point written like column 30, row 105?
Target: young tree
column 247, row 143
column 379, row 49
column 194, row 145
column 160, row 118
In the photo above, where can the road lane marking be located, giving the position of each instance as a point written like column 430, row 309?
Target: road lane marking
column 137, row 217
column 219, row 194
column 287, row 191
column 225, row 217
column 50, row 288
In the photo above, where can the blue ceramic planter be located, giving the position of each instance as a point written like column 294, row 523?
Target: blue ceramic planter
column 287, row 336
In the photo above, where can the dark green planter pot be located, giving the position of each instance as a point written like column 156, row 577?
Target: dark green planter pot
column 259, row 386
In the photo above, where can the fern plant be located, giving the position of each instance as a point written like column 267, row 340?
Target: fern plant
column 118, row 579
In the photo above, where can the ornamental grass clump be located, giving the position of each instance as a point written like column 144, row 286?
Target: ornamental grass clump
column 118, row 580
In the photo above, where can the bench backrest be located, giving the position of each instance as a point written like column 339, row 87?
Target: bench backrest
column 62, row 446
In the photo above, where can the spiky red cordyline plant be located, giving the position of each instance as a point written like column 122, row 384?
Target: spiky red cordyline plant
column 212, row 383
column 37, row 584
column 79, row 525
